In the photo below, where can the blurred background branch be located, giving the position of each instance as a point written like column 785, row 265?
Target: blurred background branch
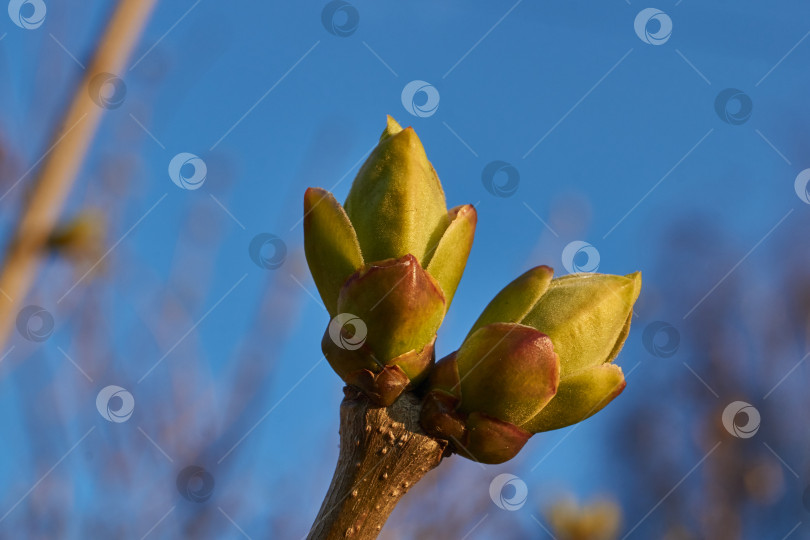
column 61, row 162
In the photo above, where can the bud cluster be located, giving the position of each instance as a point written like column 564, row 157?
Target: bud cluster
column 391, row 257
column 538, row 358
column 387, row 264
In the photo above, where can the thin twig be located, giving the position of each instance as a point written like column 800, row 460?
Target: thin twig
column 62, row 164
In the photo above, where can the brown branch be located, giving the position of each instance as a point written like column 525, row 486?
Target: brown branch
column 63, row 160
column 383, row 453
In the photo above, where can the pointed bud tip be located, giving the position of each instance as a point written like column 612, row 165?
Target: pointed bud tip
column 396, row 203
column 541, row 271
column 465, row 211
column 619, row 389
column 636, row 277
column 392, row 127
column 312, row 195
column 408, row 138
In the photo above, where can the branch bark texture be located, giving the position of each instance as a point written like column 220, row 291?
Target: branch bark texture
column 383, row 453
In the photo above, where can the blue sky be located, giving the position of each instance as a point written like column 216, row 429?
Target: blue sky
column 614, row 140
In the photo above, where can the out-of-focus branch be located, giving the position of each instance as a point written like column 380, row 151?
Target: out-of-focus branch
column 63, row 160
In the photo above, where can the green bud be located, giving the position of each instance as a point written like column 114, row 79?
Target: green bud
column 501, row 377
column 395, row 207
column 392, row 127
column 448, row 260
column 538, row 358
column 587, row 317
column 401, row 305
column 579, row 396
column 507, row 371
column 330, row 244
column 516, row 300
column 489, row 440
column 393, row 259
column 396, row 202
column 388, row 315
